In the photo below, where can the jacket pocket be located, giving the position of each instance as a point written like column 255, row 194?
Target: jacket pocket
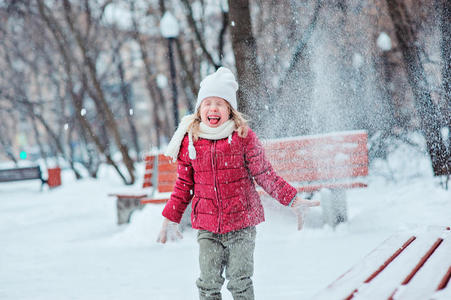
column 205, row 206
column 236, row 204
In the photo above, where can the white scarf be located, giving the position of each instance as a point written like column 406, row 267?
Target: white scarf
column 206, row 132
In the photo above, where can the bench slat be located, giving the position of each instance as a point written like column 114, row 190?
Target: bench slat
column 326, row 152
column 147, row 176
column 314, row 188
column 304, row 163
column 316, row 175
column 383, row 285
column 165, row 187
column 167, row 167
column 445, row 280
column 160, row 197
column 149, row 158
column 428, row 279
column 149, row 166
column 153, row 201
column 128, row 196
column 167, row 177
column 317, row 187
column 442, row 294
column 148, row 171
column 353, row 278
column 300, row 142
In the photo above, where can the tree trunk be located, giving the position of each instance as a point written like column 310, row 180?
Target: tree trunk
column 427, row 111
column 38, row 140
column 187, row 78
column 445, row 47
column 156, row 96
column 253, row 95
column 125, row 92
column 6, row 144
column 91, row 159
column 70, row 153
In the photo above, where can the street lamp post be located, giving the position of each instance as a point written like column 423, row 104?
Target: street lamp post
column 169, row 29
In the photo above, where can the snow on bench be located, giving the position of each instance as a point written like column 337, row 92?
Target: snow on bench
column 334, row 161
column 408, row 266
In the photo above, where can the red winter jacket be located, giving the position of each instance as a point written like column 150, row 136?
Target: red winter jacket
column 220, row 182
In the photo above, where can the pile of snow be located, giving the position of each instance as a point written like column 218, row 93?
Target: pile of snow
column 65, row 244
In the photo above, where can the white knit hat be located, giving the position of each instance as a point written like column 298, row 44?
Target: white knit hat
column 221, row 84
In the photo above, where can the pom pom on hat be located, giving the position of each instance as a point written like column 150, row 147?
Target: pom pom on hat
column 221, row 84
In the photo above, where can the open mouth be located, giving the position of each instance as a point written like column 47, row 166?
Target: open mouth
column 213, row 120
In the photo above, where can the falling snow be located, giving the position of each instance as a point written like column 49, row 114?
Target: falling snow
column 70, row 235
column 384, row 41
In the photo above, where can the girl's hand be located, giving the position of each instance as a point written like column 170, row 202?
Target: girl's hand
column 169, row 230
column 300, row 207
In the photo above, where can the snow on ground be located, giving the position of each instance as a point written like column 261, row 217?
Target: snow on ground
column 65, row 244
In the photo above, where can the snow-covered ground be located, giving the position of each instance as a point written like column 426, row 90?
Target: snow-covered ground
column 65, row 244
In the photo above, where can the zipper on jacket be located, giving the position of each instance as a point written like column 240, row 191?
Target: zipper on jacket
column 216, row 185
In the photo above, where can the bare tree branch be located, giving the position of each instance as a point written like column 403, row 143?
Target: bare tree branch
column 199, row 39
column 303, row 41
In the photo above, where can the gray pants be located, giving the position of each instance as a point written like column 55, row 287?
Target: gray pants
column 232, row 251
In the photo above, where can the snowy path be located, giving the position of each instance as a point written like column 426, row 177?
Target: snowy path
column 64, row 244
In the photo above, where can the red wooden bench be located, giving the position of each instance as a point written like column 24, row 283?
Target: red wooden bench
column 406, row 266
column 330, row 163
column 31, row 173
column 165, row 178
column 158, row 182
column 334, row 161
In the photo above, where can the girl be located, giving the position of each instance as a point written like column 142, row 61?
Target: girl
column 219, row 158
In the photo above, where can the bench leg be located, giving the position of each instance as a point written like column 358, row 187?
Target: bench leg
column 125, row 209
column 333, row 203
